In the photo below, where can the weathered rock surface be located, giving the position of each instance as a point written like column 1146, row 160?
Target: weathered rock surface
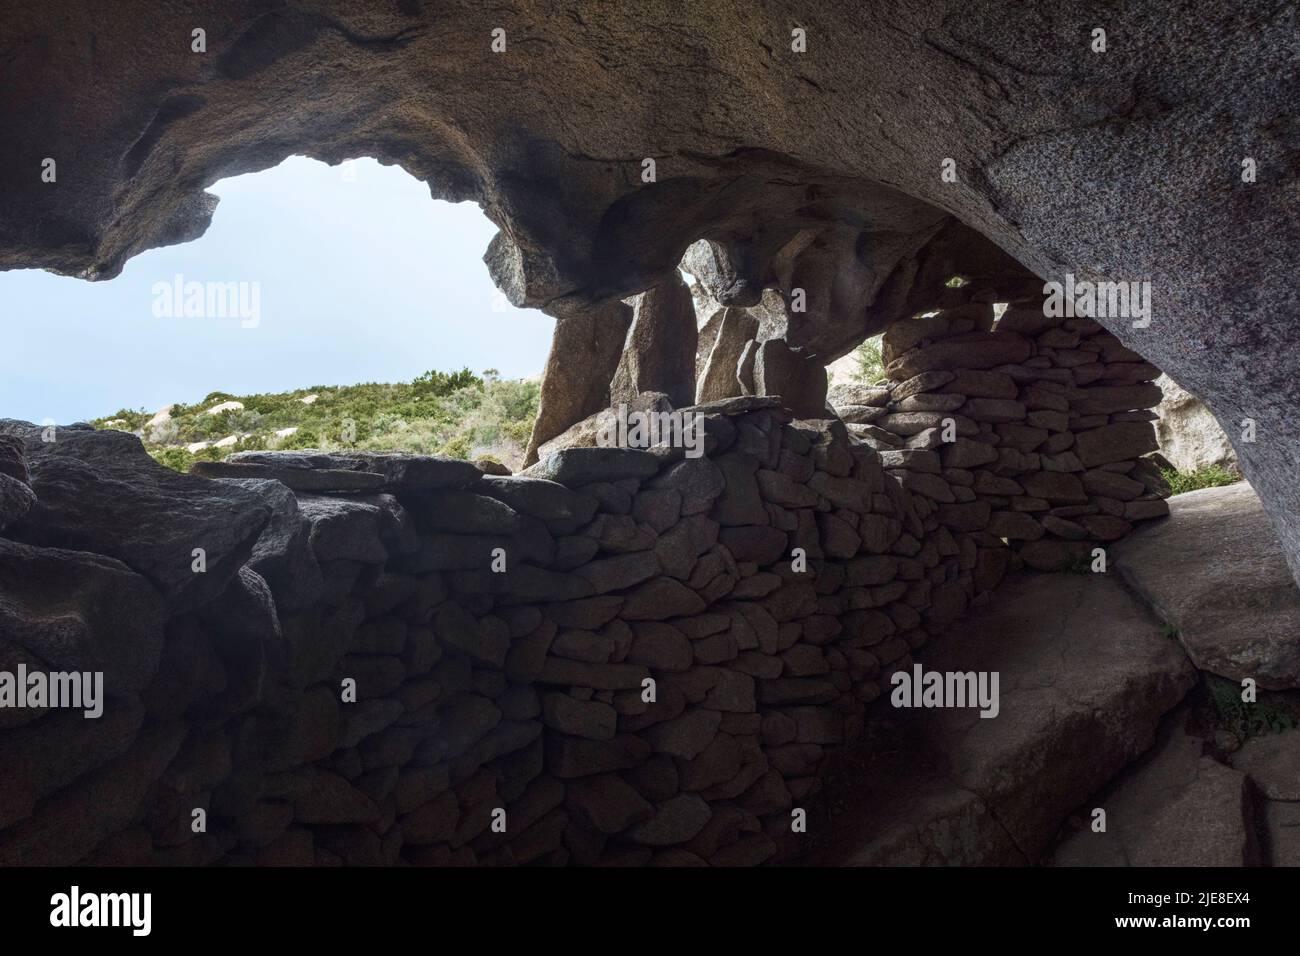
column 13, row 460
column 572, row 389
column 659, row 354
column 582, row 466
column 599, row 426
column 1214, row 570
column 72, row 611
column 351, row 471
column 1078, row 703
column 720, row 378
column 1273, row 762
column 799, row 378
column 100, row 492
column 723, row 275
column 297, row 477
column 283, row 554
column 1190, row 437
column 1282, row 832
column 1174, row 807
column 16, row 495
column 16, row 499
column 345, row 530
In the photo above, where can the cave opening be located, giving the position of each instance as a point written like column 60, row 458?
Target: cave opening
column 826, row 232
column 326, row 307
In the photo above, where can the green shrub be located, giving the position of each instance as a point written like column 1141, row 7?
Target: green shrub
column 871, row 364
column 175, row 458
column 302, row 438
column 132, row 419
column 1211, row 476
column 444, row 383
column 1245, row 720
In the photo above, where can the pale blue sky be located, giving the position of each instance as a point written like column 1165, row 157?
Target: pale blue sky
column 363, row 278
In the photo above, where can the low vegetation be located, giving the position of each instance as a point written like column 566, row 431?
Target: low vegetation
column 1211, row 476
column 1273, row 713
column 455, row 414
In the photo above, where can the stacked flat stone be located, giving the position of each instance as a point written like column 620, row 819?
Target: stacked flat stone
column 475, row 691
column 1049, row 419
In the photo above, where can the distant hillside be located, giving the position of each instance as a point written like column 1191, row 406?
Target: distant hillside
column 457, row 414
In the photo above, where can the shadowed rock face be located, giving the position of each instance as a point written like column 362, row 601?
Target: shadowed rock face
column 1227, row 592
column 818, row 170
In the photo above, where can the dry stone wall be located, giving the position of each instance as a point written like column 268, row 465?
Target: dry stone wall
column 519, row 696
column 1033, row 429
column 619, row 656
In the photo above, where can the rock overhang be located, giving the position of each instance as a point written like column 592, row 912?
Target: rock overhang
column 1124, row 163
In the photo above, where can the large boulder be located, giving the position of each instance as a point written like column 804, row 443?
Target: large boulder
column 283, row 554
column 724, row 272
column 345, row 529
column 1272, row 762
column 346, row 471
column 546, row 500
column 575, row 467
column 797, row 377
column 16, row 495
column 720, row 378
column 1215, row 572
column 72, row 611
column 55, row 751
column 1176, row 806
column 247, row 632
column 586, row 347
column 659, row 354
column 595, row 428
column 73, row 821
column 99, row 491
column 1190, row 436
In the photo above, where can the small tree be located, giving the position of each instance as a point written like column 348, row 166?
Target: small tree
column 871, row 363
